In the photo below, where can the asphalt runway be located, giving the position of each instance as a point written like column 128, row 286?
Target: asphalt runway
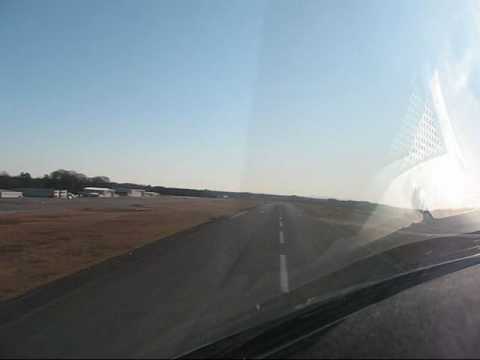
column 178, row 293
column 163, row 299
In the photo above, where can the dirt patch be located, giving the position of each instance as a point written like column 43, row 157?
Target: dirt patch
column 364, row 221
column 11, row 221
column 339, row 213
column 37, row 247
column 132, row 209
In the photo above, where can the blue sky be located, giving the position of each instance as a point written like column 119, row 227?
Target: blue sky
column 284, row 97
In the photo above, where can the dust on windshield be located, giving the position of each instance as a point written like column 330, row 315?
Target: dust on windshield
column 178, row 170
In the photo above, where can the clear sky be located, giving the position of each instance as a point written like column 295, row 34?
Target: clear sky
column 299, row 97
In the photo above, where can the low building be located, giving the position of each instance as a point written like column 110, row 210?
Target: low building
column 36, row 192
column 130, row 192
column 151, row 194
column 98, row 192
column 60, row 194
column 43, row 193
column 10, row 194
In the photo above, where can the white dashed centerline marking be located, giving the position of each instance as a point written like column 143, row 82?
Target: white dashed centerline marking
column 283, row 260
column 239, row 214
column 283, row 274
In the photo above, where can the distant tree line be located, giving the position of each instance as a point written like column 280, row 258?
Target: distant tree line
column 75, row 182
column 59, row 179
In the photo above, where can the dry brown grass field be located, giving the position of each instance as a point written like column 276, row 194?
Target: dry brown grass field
column 43, row 240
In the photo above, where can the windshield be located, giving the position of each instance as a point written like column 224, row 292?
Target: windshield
column 172, row 171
